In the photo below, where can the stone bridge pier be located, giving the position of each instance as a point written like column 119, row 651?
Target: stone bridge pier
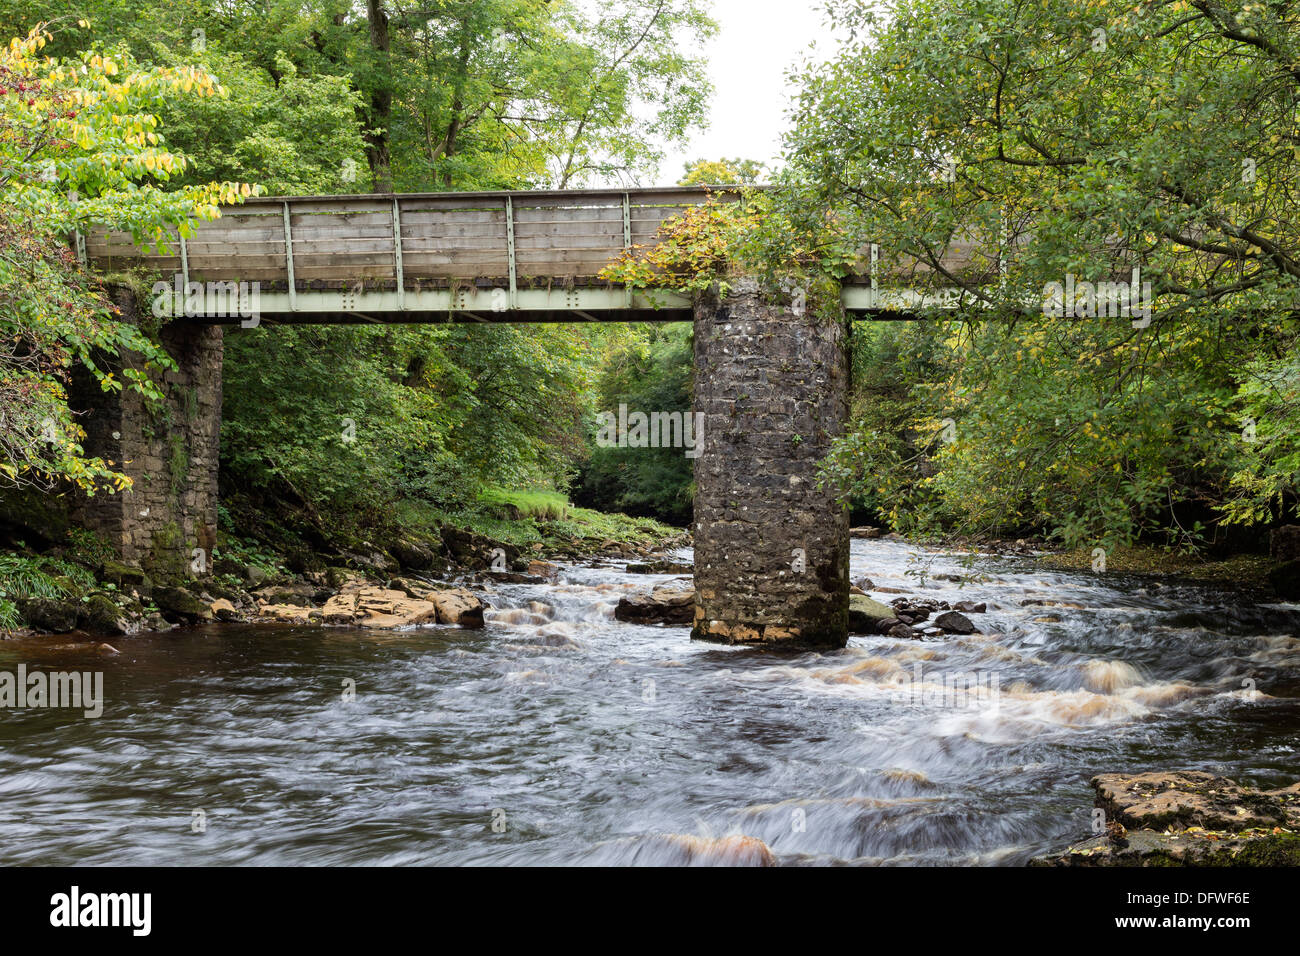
column 771, row 547
column 167, row 521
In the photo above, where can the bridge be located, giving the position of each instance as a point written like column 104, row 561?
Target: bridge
column 771, row 378
column 438, row 257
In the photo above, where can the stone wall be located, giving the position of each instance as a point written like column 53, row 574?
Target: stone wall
column 771, row 549
column 170, row 450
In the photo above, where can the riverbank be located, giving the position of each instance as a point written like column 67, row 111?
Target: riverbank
column 268, row 568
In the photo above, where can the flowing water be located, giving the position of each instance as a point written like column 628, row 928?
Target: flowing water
column 558, row 735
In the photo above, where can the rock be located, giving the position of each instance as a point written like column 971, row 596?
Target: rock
column 49, row 615
column 865, row 584
column 458, row 606
column 1285, row 579
column 544, row 570
column 885, row 590
column 180, row 604
column 254, row 575
column 126, row 578
column 300, row 594
column 663, row 605
column 100, row 615
column 156, row 622
column 901, row 630
column 659, row 567
column 476, row 551
column 378, row 608
column 865, row 614
column 289, row 613
column 864, row 532
column 223, row 610
column 1188, row 818
column 511, row 577
column 374, row 560
column 970, row 607
column 955, row 622
column 679, row 849
column 1182, row 799
column 1284, row 543
column 414, row 556
column 370, row 606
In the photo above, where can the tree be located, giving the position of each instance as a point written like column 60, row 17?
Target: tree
column 1077, row 141
column 723, row 172
column 78, row 148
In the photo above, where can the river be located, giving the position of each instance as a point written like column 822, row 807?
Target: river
column 557, row 735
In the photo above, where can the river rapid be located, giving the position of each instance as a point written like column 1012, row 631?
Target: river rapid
column 557, row 735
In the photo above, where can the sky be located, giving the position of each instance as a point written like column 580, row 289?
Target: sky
column 757, row 41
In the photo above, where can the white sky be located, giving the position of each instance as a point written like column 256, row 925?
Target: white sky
column 757, row 41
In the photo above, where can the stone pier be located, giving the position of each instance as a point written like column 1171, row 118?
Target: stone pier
column 771, row 548
column 169, row 449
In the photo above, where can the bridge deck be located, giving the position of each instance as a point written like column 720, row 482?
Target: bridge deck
column 485, row 256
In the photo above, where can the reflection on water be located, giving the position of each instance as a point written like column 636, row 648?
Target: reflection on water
column 586, row 740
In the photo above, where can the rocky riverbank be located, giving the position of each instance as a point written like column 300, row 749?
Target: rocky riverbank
column 405, row 583
column 1186, row 818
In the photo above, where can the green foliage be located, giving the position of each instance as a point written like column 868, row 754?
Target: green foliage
column 649, row 374
column 24, row 577
column 78, row 148
column 723, row 172
column 1078, row 138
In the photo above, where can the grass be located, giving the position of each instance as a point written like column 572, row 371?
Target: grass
column 533, row 517
column 1248, row 569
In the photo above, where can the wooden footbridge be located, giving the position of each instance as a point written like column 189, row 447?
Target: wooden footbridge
column 473, row 256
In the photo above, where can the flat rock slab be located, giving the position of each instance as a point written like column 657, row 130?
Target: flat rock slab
column 663, row 605
column 1189, row 798
column 1188, row 818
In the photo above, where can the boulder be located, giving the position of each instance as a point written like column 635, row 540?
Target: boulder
column 126, row 578
column 866, row 614
column 458, row 606
column 1285, row 579
column 223, row 610
column 864, row 531
column 101, row 615
column 545, row 570
column 954, row 622
column 178, row 604
column 866, row 584
column 970, row 607
column 49, row 615
column 1284, row 543
column 414, row 556
column 664, row 605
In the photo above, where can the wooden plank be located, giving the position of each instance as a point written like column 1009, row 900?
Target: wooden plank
column 416, row 217
column 478, row 230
